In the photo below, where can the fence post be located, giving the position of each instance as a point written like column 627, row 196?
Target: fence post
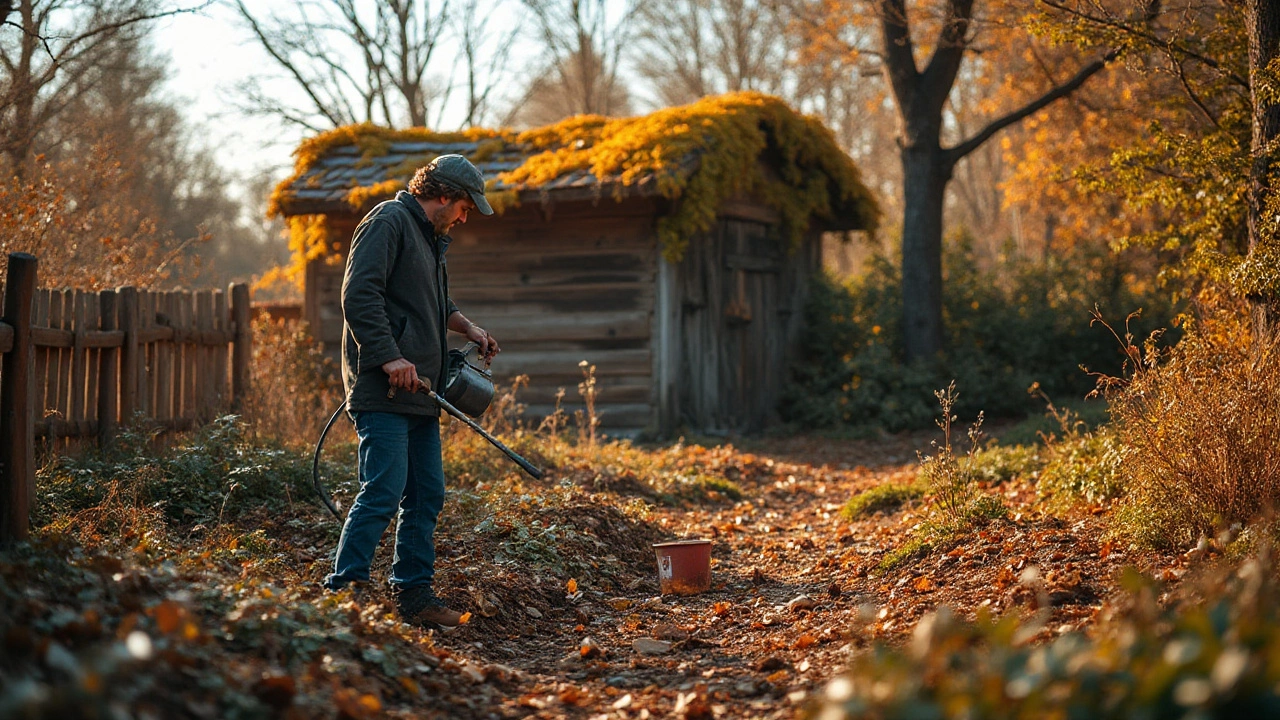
column 129, row 356
column 108, row 375
column 17, row 419
column 242, row 345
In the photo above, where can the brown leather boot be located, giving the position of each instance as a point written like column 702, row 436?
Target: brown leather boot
column 437, row 615
column 420, row 606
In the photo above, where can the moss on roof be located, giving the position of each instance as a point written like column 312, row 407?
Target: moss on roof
column 699, row 155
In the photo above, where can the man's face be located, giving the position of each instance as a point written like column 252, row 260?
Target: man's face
column 450, row 213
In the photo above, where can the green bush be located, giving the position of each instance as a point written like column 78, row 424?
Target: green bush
column 880, row 497
column 1215, row 655
column 1084, row 467
column 1007, row 326
column 213, row 474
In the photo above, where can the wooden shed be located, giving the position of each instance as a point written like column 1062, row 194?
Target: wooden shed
column 672, row 251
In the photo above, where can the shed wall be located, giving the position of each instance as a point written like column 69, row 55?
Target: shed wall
column 555, row 288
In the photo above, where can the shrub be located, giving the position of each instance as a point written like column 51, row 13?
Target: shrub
column 1200, row 425
column 209, row 476
column 1213, row 656
column 1009, row 325
column 1086, row 467
column 880, row 497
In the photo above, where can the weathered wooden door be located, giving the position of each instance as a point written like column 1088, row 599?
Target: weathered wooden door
column 732, row 338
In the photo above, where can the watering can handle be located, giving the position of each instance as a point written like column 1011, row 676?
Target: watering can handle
column 466, row 350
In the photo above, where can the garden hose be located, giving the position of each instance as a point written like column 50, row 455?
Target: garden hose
column 315, row 463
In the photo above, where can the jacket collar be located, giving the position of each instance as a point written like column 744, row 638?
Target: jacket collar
column 428, row 230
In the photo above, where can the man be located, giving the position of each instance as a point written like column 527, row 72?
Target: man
column 396, row 308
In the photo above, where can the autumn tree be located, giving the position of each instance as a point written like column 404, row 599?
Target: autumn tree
column 1202, row 163
column 920, row 94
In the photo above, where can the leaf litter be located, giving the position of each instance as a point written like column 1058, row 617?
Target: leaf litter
column 559, row 584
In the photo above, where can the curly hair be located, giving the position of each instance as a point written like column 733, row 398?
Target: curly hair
column 426, row 185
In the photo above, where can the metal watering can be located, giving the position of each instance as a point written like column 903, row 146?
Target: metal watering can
column 466, row 386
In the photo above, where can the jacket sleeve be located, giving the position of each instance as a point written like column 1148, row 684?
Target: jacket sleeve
column 364, row 293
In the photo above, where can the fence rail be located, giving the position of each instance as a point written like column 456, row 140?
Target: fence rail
column 79, row 364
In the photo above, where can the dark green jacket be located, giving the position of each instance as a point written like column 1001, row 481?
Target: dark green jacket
column 395, row 304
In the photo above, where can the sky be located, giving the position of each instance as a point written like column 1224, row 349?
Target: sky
column 212, row 54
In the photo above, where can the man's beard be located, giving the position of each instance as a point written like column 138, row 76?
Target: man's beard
column 438, row 221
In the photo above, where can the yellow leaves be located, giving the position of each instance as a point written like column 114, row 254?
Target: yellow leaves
column 466, row 618
column 924, row 584
column 805, row 641
column 572, row 586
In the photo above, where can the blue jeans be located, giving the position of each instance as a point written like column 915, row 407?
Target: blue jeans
column 401, row 475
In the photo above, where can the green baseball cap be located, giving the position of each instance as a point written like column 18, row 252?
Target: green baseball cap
column 460, row 173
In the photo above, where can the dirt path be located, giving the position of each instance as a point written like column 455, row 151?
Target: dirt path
column 795, row 591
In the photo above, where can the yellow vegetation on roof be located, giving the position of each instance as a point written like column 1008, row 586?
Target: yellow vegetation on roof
column 699, row 155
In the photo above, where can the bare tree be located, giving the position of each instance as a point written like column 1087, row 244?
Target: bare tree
column 313, row 45
column 688, row 49
column 53, row 53
column 484, row 56
column 583, row 44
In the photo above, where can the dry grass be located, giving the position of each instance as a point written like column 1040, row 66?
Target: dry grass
column 1200, row 429
column 294, row 387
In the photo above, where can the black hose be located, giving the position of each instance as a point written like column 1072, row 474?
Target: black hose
column 315, row 463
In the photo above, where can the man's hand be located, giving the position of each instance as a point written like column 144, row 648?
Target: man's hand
column 403, row 374
column 487, row 344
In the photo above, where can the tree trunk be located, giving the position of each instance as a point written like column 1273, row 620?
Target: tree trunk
column 925, row 172
column 1264, row 47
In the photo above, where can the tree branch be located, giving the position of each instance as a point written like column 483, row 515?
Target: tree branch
column 1061, row 91
column 1168, row 46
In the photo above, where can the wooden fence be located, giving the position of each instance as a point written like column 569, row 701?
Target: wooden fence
column 80, row 364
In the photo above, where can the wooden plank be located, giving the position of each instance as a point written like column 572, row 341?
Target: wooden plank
column 187, row 312
column 40, row 319
column 242, row 345
column 612, row 297
column 49, row 339
column 108, row 371
column 632, row 416
column 222, row 323
column 129, row 353
column 634, row 362
column 164, row 361
column 635, row 390
column 93, row 357
column 585, row 325
column 79, row 359
column 17, row 414
column 54, row 391
column 146, row 349
column 203, row 372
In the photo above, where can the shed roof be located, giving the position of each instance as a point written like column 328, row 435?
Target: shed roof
column 701, row 154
